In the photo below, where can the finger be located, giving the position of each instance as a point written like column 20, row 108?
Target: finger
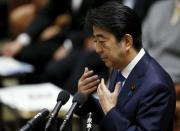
column 89, row 83
column 92, row 84
column 117, row 88
column 86, row 69
column 103, row 86
column 102, row 81
column 91, row 90
column 87, row 74
column 90, row 79
column 99, row 90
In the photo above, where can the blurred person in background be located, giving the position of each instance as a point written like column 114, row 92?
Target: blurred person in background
column 141, row 7
column 161, row 35
column 58, row 54
column 22, row 15
column 3, row 19
column 161, row 31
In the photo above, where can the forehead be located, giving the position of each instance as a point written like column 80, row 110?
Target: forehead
column 100, row 33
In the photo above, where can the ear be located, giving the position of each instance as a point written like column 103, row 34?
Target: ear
column 128, row 41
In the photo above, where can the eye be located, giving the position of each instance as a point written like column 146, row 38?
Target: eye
column 95, row 41
column 102, row 43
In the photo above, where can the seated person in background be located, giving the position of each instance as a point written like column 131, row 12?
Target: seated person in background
column 62, row 50
column 21, row 16
column 141, row 7
column 161, row 31
column 140, row 95
column 161, row 35
column 3, row 20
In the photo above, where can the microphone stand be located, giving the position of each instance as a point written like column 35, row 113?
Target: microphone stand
column 68, row 125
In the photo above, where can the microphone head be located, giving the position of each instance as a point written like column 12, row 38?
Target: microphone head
column 79, row 98
column 63, row 97
column 39, row 117
column 44, row 112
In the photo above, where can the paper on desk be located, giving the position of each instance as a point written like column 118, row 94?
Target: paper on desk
column 10, row 66
column 32, row 97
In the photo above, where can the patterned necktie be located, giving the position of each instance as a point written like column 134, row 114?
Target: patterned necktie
column 119, row 78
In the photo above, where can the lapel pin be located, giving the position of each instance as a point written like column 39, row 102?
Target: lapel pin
column 130, row 93
column 133, row 87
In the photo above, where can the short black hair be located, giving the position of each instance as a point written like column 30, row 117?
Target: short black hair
column 117, row 19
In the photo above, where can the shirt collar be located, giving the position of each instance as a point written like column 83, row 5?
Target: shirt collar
column 127, row 70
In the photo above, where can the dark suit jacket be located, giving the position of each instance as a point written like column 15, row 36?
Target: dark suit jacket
column 146, row 101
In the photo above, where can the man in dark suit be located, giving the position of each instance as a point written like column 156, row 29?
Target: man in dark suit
column 140, row 95
column 89, row 59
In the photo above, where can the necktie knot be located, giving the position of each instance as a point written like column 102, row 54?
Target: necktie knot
column 120, row 77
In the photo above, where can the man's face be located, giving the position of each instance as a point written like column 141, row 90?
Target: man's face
column 111, row 51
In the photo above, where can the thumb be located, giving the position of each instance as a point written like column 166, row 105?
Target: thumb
column 102, row 80
column 117, row 88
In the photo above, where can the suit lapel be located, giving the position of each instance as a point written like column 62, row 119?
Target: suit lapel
column 133, row 81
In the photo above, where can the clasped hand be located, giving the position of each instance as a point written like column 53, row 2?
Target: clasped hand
column 89, row 83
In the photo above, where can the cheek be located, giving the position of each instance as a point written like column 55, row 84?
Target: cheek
column 117, row 56
column 112, row 57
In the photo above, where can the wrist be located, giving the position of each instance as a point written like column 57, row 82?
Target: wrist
column 107, row 109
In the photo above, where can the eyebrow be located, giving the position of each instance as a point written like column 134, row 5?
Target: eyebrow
column 99, row 36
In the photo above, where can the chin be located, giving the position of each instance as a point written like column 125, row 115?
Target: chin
column 109, row 65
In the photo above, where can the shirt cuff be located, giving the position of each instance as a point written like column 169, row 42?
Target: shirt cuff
column 24, row 39
column 68, row 44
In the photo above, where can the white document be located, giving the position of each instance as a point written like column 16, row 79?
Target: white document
column 29, row 98
column 10, row 66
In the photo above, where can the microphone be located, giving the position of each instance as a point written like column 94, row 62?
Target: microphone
column 35, row 120
column 78, row 100
column 62, row 98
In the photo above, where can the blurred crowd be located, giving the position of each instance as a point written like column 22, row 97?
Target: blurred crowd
column 50, row 35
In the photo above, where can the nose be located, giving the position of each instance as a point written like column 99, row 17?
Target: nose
column 98, row 49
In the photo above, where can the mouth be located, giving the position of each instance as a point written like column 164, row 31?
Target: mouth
column 104, row 58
